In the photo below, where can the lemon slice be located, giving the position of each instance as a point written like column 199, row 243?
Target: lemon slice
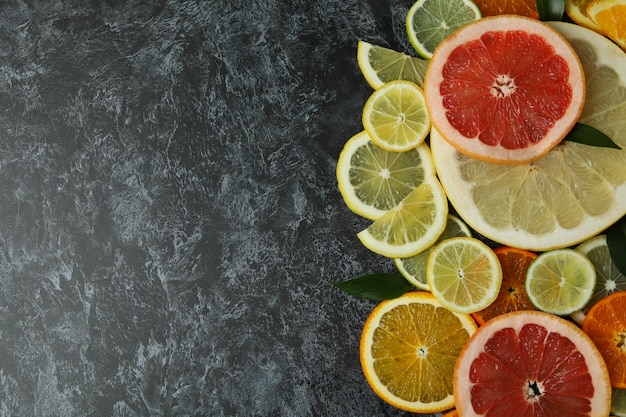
column 464, row 274
column 560, row 281
column 373, row 180
column 395, row 116
column 571, row 194
column 428, row 22
column 412, row 226
column 414, row 268
column 408, row 350
column 380, row 65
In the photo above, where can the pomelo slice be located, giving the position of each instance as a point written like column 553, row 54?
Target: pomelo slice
column 504, row 89
column 530, row 363
column 568, row 196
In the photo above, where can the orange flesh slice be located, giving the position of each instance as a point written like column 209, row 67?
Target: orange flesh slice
column 508, row 98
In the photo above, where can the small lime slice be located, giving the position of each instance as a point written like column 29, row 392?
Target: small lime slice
column 560, row 281
column 428, row 22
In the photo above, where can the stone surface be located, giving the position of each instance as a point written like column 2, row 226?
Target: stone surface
column 170, row 222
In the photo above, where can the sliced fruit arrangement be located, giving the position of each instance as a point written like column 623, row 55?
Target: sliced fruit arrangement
column 481, row 205
column 409, row 347
column 530, row 363
column 568, row 196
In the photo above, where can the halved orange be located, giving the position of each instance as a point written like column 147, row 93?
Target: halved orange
column 504, row 89
column 531, row 364
column 512, row 296
column 498, row 7
column 409, row 346
column 605, row 323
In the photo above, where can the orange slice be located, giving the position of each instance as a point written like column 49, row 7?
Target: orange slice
column 605, row 323
column 498, row 7
column 409, row 346
column 530, row 363
column 512, row 296
column 610, row 16
column 504, row 89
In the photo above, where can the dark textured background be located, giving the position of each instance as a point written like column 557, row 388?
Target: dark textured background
column 169, row 221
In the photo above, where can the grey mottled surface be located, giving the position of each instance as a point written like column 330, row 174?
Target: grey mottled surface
column 169, row 221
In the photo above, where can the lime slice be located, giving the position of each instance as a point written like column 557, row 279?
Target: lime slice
column 428, row 22
column 464, row 274
column 380, row 65
column 412, row 226
column 608, row 278
column 395, row 116
column 560, row 281
column 618, row 402
column 414, row 268
column 372, row 180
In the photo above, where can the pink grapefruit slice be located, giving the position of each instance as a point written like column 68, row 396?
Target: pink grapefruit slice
column 531, row 363
column 504, row 89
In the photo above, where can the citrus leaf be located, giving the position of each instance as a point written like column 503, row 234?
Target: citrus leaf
column 616, row 241
column 378, row 287
column 588, row 135
column 550, row 9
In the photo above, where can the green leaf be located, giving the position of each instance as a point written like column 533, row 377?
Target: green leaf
column 616, row 241
column 378, row 287
column 550, row 9
column 588, row 135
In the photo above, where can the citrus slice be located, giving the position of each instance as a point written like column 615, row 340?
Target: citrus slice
column 414, row 268
column 560, row 281
column 380, row 65
column 609, row 279
column 610, row 16
column 618, row 402
column 497, row 7
column 530, row 363
column 464, row 274
column 605, row 324
column 505, row 89
column 577, row 11
column 409, row 346
column 395, row 116
column 429, row 22
column 372, row 180
column 568, row 196
column 451, row 413
column 512, row 295
column 410, row 227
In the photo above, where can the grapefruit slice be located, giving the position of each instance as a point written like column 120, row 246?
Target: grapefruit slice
column 504, row 89
column 530, row 363
column 574, row 192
